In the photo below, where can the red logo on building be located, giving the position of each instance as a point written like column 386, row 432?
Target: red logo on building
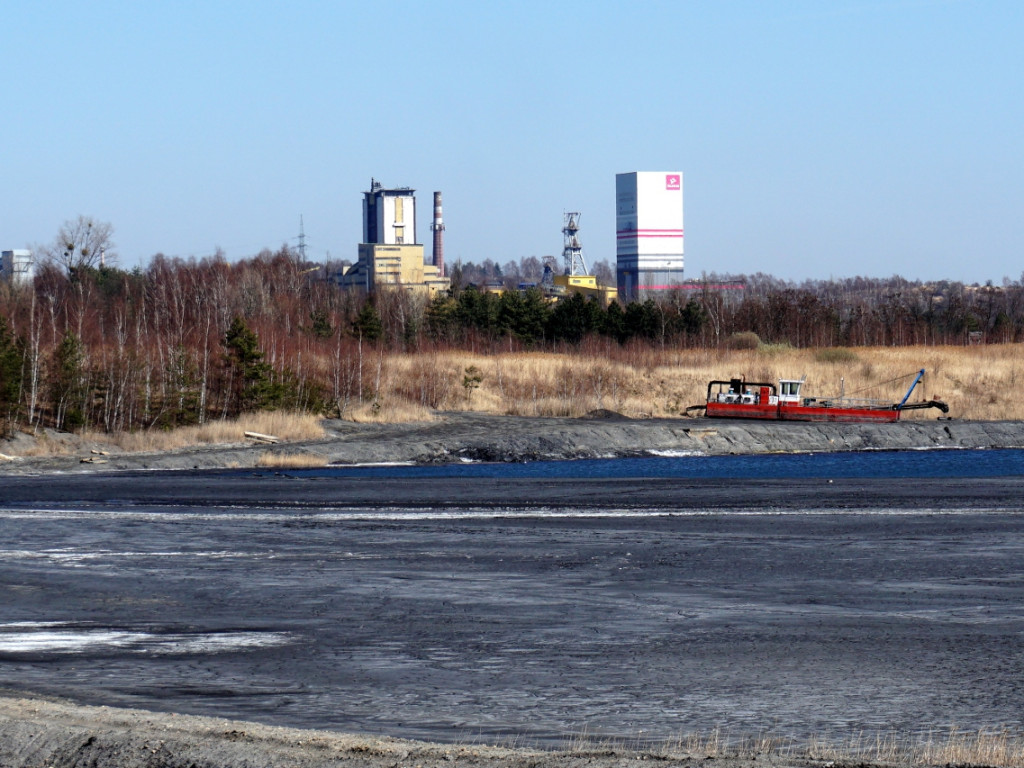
column 672, row 181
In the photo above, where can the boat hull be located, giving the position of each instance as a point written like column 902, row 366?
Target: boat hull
column 795, row 412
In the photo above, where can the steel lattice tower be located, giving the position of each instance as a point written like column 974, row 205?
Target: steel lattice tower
column 572, row 251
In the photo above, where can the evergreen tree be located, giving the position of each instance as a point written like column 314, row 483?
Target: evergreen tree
column 574, row 317
column 643, row 320
column 12, row 357
column 367, row 325
column 479, row 310
column 511, row 310
column 442, row 318
column 614, row 324
column 534, row 318
column 693, row 317
column 251, row 378
column 320, row 324
column 69, row 383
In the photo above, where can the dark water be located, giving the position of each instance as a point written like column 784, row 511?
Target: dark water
column 538, row 622
column 875, row 464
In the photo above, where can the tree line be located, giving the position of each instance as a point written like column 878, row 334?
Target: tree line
column 182, row 341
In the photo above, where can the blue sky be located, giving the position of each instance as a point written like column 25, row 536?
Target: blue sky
column 816, row 139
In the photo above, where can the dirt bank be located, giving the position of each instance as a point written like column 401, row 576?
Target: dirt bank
column 482, row 437
column 36, row 732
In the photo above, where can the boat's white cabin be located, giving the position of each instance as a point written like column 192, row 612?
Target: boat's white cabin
column 737, row 391
column 789, row 390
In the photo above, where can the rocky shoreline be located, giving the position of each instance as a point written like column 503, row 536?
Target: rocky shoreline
column 453, row 437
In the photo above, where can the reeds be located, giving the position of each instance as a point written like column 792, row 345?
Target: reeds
column 997, row 748
column 990, row 747
column 284, row 425
column 285, row 460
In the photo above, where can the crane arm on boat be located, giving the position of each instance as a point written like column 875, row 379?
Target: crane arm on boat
column 905, row 406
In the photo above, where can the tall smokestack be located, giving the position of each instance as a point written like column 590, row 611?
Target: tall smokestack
column 438, row 229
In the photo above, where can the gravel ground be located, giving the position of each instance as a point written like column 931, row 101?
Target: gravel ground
column 484, row 437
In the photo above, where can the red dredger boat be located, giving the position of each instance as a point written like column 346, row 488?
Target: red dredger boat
column 739, row 399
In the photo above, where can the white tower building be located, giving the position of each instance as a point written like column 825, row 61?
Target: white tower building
column 389, row 215
column 649, row 233
column 16, row 266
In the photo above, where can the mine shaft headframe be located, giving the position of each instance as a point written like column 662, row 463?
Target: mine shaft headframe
column 572, row 251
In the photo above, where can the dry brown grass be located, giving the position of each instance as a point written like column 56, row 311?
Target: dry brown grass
column 998, row 748
column 389, row 410
column 44, row 445
column 281, row 460
column 286, row 425
column 977, row 382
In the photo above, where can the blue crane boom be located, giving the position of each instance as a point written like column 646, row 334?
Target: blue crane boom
column 906, row 397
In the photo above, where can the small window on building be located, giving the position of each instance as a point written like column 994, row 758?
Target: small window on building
column 399, row 235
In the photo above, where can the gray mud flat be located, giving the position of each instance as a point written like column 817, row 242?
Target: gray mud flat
column 855, row 618
column 441, row 610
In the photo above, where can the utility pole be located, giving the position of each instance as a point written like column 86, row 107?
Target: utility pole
column 302, row 241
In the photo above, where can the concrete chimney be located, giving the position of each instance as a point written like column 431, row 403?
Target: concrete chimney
column 438, row 229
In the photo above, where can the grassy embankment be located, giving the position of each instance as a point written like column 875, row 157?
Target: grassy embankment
column 287, row 426
column 978, row 383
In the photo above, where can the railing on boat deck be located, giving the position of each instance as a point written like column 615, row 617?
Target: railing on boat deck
column 847, row 402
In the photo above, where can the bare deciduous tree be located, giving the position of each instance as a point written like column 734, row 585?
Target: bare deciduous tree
column 82, row 242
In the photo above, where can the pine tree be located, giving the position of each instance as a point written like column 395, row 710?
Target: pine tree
column 252, row 383
column 12, row 357
column 321, row 326
column 69, row 382
column 367, row 324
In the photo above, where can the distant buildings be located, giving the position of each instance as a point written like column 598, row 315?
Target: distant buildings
column 16, row 266
column 649, row 233
column 649, row 243
column 389, row 255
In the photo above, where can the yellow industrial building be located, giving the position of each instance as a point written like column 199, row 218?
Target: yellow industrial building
column 585, row 284
column 389, row 256
column 393, row 266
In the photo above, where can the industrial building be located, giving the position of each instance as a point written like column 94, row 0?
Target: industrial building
column 575, row 278
column 389, row 255
column 649, row 233
column 16, row 266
